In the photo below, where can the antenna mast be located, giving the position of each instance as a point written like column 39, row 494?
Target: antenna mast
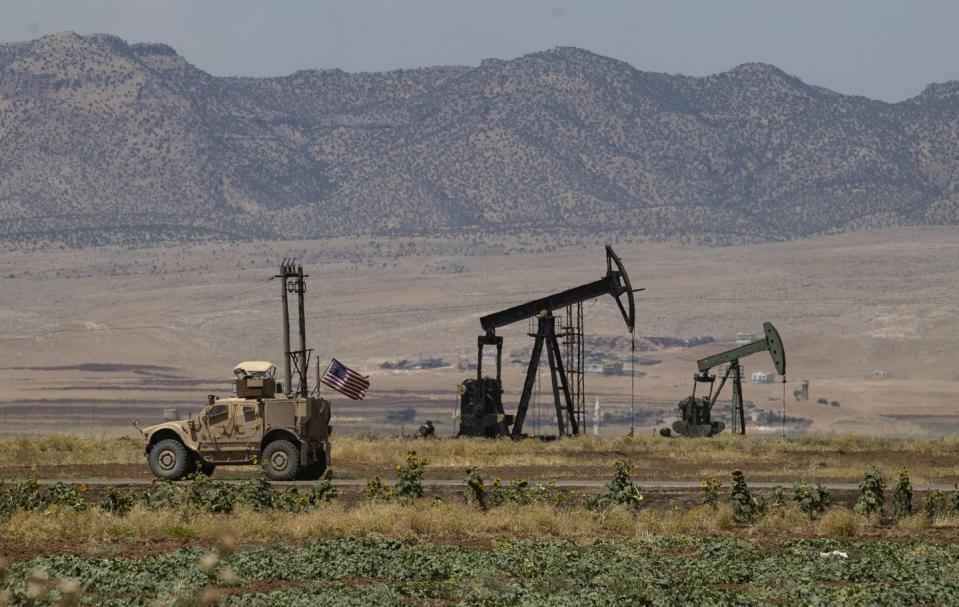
column 293, row 281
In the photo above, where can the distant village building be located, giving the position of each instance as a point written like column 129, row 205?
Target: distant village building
column 762, row 377
column 613, row 368
column 593, row 367
column 880, row 374
column 744, row 337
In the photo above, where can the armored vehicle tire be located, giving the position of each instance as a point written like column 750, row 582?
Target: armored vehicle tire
column 207, row 469
column 314, row 471
column 169, row 459
column 282, row 460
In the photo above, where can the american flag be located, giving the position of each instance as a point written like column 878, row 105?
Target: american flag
column 346, row 381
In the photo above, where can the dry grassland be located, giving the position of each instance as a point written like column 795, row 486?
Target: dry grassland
column 822, row 459
column 449, row 522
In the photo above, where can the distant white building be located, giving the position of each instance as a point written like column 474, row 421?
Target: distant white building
column 762, row 377
column 880, row 374
column 744, row 338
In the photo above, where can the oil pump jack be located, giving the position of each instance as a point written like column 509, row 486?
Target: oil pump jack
column 481, row 405
column 696, row 413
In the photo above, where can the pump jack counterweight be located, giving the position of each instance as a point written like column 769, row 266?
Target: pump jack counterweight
column 481, row 407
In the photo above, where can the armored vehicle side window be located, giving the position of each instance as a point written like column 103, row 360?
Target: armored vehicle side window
column 217, row 414
column 249, row 414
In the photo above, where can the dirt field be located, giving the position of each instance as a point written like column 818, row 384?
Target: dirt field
column 94, row 339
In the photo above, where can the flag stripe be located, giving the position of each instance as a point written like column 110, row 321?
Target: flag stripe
column 348, row 384
column 354, row 394
column 346, row 381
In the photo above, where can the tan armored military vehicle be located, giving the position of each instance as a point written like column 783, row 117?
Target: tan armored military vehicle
column 289, row 434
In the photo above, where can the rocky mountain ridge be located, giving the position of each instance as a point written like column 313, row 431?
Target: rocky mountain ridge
column 105, row 142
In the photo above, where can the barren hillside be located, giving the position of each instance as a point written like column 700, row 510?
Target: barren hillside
column 102, row 141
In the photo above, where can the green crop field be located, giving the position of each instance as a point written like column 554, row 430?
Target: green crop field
column 487, row 541
column 703, row 571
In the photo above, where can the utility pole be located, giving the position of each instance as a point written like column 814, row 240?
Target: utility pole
column 292, row 280
column 287, row 373
column 300, row 287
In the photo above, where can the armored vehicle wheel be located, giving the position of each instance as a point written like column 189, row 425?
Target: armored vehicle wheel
column 314, row 471
column 169, row 459
column 207, row 469
column 282, row 459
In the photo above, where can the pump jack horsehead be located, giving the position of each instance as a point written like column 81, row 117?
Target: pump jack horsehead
column 481, row 406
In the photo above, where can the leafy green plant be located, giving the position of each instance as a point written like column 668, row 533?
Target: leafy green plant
column 745, row 508
column 118, row 500
column 476, row 489
column 812, row 499
column 620, row 490
column 256, row 492
column 162, row 495
column 194, row 490
column 902, row 495
column 933, row 504
column 520, row 492
column 292, row 500
column 711, row 489
column 21, row 495
column 377, row 491
column 871, row 499
column 217, row 497
column 775, row 500
column 323, row 491
column 66, row 496
column 409, row 476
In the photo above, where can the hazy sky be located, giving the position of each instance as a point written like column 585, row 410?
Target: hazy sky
column 879, row 48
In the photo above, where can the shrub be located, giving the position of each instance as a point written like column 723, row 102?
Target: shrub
column 217, row 498
column 193, row 493
column 902, row 495
column 711, row 489
column 520, row 492
column 812, row 499
column 954, row 499
column 775, row 499
column 21, row 495
column 256, row 492
column 67, row 496
column 161, row 495
column 323, row 491
column 871, row 498
column 620, row 490
column 476, row 489
column 295, row 500
column 745, row 508
column 409, row 477
column 933, row 504
column 377, row 491
column 119, row 501
column 292, row 500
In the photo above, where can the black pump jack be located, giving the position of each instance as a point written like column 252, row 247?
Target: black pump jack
column 481, row 409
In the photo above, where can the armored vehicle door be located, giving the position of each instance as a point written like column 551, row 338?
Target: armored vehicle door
column 248, row 424
column 216, row 425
